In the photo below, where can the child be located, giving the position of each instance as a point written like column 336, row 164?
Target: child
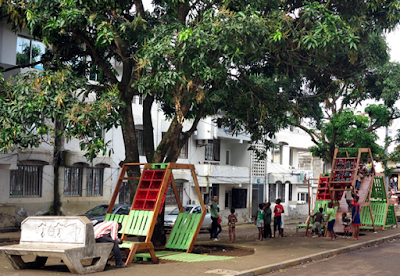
column 260, row 221
column 359, row 178
column 347, row 225
column 232, row 219
column 318, row 219
column 267, row 220
column 331, row 220
column 369, row 166
column 278, row 210
column 356, row 219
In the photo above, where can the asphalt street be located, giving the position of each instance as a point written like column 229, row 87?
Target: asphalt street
column 382, row 260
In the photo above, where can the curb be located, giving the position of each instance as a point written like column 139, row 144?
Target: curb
column 312, row 257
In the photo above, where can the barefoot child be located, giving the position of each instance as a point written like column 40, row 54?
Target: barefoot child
column 260, row 221
column 346, row 224
column 232, row 219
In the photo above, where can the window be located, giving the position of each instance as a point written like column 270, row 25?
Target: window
column 290, row 191
column 302, row 197
column 73, row 181
column 29, row 51
column 170, row 199
column 26, row 181
column 139, row 139
column 272, row 192
column 183, row 153
column 94, row 181
column 227, row 157
column 124, row 210
column 239, row 198
column 276, row 154
column 281, row 191
column 124, row 193
column 95, row 74
column 212, row 151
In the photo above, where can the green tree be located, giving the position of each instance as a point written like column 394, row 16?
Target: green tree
column 199, row 57
column 46, row 107
column 335, row 123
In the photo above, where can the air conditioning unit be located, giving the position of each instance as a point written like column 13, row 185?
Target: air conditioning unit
column 201, row 143
column 204, row 190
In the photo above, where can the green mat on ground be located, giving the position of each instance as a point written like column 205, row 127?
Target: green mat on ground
column 158, row 254
column 190, row 257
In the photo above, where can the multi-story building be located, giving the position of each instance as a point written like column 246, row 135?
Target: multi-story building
column 224, row 166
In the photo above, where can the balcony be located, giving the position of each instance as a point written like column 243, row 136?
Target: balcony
column 208, row 174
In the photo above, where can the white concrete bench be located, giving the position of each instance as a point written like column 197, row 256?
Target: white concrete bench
column 70, row 238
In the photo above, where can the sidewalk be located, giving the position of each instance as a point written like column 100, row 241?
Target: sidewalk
column 268, row 255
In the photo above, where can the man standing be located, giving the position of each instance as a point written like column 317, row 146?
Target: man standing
column 102, row 233
column 214, row 217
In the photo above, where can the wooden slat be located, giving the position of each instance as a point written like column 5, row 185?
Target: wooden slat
column 183, row 231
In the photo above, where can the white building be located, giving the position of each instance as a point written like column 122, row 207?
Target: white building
column 224, row 166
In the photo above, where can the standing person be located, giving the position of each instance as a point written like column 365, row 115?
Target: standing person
column 102, row 233
column 318, row 219
column 214, row 217
column 232, row 219
column 359, row 179
column 260, row 221
column 267, row 220
column 369, row 166
column 346, row 224
column 278, row 210
column 356, row 222
column 331, row 220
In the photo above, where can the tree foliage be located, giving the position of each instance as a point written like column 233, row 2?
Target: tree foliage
column 244, row 60
column 31, row 103
column 336, row 123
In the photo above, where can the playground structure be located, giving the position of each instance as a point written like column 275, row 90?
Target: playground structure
column 376, row 211
column 147, row 204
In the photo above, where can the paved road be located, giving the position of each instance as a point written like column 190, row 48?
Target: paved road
column 382, row 260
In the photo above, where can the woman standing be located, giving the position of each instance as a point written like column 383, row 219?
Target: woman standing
column 356, row 222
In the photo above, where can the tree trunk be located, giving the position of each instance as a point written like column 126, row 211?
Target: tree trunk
column 148, row 130
column 169, row 142
column 57, row 158
column 131, row 147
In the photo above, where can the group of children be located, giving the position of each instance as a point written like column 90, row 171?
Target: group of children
column 347, row 222
column 263, row 220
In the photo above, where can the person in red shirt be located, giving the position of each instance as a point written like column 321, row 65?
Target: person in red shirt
column 107, row 231
column 278, row 210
